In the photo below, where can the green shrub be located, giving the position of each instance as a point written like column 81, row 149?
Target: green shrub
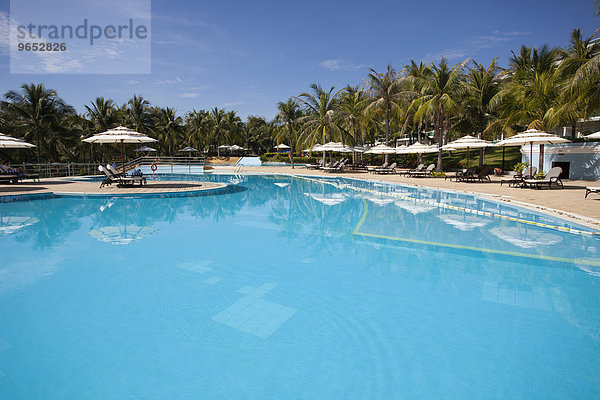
column 519, row 167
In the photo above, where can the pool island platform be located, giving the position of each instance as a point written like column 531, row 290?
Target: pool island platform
column 62, row 186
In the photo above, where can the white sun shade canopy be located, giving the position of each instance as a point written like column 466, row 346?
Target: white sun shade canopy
column 381, row 149
column 532, row 136
column 9, row 142
column 419, row 148
column 188, row 150
column 467, row 142
column 120, row 134
column 314, row 148
column 331, row 146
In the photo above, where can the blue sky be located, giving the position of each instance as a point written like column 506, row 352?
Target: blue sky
column 247, row 56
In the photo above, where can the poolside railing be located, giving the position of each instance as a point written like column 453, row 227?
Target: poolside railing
column 54, row 170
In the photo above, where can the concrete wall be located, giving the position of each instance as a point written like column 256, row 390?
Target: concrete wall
column 584, row 158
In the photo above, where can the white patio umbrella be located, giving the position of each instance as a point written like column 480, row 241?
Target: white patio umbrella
column 122, row 234
column 314, row 148
column 282, row 146
column 9, row 142
column 188, row 150
column 526, row 238
column 400, row 149
column 331, row 146
column 531, row 137
column 359, row 149
column 464, row 222
column 224, row 147
column 595, row 135
column 121, row 135
column 145, row 148
column 381, row 149
column 467, row 142
column 419, row 148
column 235, row 147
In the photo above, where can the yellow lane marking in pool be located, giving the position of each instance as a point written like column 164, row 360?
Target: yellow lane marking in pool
column 461, row 247
column 457, row 208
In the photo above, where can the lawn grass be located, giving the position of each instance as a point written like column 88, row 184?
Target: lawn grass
column 493, row 158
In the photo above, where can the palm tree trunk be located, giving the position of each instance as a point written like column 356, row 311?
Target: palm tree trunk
column 38, row 140
column 354, row 137
column 387, row 133
column 291, row 155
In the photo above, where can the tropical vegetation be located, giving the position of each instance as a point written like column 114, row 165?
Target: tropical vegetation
column 544, row 88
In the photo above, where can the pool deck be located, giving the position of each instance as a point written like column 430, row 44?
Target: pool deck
column 64, row 186
column 569, row 203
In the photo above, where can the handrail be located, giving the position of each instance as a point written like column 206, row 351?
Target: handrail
column 51, row 170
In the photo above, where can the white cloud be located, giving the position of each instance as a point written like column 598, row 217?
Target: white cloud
column 471, row 46
column 168, row 81
column 340, row 65
column 132, row 82
column 189, row 95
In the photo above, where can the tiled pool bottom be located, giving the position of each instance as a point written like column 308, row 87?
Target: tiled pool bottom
column 293, row 288
column 253, row 315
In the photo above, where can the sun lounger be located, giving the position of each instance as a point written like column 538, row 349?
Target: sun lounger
column 419, row 168
column 338, row 168
column 9, row 178
column 114, row 171
column 481, row 176
column 372, row 168
column 551, row 178
column 388, row 170
column 517, row 180
column 422, row 174
column 120, row 180
column 460, row 174
column 318, row 165
column 589, row 190
column 19, row 172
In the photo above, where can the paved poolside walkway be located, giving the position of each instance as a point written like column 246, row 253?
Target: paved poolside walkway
column 80, row 187
column 569, row 202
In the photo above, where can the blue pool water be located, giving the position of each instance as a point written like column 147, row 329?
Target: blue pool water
column 291, row 288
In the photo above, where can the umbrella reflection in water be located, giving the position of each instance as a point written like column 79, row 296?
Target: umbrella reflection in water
column 464, row 222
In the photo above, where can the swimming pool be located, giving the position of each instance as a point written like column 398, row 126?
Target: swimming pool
column 296, row 288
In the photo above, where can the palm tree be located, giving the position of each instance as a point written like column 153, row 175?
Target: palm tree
column 319, row 122
column 579, row 72
column 440, row 89
column 258, row 134
column 414, row 72
column 102, row 113
column 170, row 128
column 352, row 113
column 288, row 115
column 233, row 125
column 198, row 127
column 481, row 85
column 138, row 113
column 38, row 109
column 531, row 95
column 219, row 127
